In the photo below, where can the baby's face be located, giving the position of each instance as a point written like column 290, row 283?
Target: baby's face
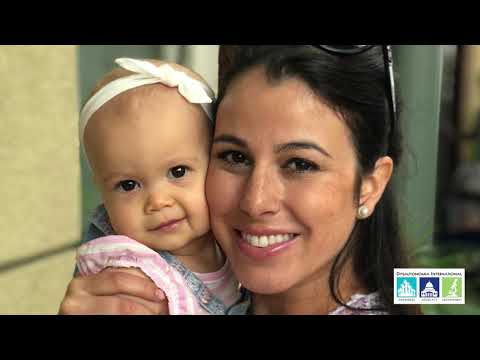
column 148, row 149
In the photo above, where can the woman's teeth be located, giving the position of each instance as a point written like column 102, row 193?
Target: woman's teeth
column 264, row 241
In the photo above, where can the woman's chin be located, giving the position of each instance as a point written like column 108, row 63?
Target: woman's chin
column 264, row 285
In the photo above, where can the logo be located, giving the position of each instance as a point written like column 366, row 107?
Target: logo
column 407, row 287
column 452, row 288
column 429, row 286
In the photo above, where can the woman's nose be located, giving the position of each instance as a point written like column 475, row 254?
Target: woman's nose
column 262, row 193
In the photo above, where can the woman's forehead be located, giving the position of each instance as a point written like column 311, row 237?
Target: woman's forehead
column 254, row 86
column 253, row 96
column 258, row 111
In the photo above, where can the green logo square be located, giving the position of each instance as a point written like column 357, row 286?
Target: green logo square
column 452, row 287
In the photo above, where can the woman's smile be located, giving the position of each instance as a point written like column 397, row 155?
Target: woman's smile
column 262, row 245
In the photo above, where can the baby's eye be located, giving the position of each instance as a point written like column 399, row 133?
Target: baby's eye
column 127, row 185
column 178, row 171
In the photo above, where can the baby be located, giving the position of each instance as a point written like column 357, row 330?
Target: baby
column 146, row 134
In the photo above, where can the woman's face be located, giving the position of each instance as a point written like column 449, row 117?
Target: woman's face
column 280, row 185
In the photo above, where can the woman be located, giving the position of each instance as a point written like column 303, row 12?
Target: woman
column 298, row 188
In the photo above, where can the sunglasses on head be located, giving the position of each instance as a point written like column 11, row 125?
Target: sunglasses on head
column 388, row 61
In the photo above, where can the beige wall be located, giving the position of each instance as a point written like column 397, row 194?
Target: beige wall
column 39, row 181
column 204, row 60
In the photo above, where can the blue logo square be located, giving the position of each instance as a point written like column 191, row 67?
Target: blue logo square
column 407, row 287
column 429, row 287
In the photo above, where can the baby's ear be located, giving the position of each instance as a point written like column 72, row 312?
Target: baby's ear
column 374, row 184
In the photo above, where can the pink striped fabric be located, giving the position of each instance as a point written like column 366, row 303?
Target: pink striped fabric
column 222, row 284
column 121, row 251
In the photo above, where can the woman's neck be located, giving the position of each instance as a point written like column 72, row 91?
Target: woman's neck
column 312, row 297
column 202, row 255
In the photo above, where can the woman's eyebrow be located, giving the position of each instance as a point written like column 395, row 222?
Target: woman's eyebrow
column 230, row 139
column 301, row 145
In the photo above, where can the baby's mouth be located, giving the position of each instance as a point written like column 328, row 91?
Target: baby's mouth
column 168, row 225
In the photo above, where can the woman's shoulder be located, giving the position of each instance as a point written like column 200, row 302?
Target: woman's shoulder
column 361, row 304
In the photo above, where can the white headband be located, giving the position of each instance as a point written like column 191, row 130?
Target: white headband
column 147, row 73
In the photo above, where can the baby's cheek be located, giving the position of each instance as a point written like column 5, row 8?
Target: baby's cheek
column 199, row 211
column 122, row 222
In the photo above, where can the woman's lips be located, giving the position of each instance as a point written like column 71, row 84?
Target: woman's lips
column 264, row 246
column 168, row 226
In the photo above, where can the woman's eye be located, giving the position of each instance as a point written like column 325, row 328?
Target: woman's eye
column 127, row 185
column 234, row 158
column 178, row 171
column 301, row 165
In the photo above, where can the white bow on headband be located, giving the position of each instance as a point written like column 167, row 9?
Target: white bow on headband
column 189, row 88
column 146, row 73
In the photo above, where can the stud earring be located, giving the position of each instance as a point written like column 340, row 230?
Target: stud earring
column 363, row 212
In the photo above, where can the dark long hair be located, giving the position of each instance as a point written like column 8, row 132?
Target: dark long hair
column 355, row 87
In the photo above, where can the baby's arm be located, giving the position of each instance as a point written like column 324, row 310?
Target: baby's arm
column 92, row 233
column 115, row 291
column 116, row 251
column 111, row 292
column 100, row 294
